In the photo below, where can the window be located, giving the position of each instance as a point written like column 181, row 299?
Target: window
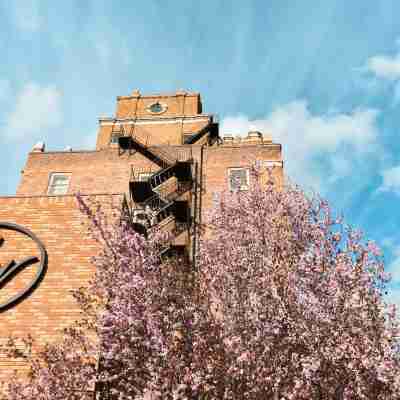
column 58, row 184
column 157, row 108
column 114, row 138
column 238, row 178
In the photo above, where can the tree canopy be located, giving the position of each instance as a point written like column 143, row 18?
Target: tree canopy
column 285, row 302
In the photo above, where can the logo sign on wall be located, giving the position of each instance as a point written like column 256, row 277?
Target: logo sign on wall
column 13, row 268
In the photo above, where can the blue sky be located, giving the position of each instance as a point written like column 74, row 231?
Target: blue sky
column 323, row 78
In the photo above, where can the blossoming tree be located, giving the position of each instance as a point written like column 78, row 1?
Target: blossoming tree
column 285, row 302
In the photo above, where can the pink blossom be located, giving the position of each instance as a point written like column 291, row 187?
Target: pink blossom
column 281, row 306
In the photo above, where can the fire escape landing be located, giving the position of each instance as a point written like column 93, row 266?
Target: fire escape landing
column 151, row 205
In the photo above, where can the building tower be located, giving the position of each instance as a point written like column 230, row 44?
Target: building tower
column 159, row 155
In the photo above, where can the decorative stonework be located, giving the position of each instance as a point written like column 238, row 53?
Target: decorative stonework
column 252, row 138
column 13, row 268
column 39, row 147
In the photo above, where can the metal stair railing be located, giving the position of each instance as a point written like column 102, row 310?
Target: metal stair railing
column 182, row 188
column 154, row 202
column 142, row 139
column 161, row 176
column 211, row 128
column 139, row 142
column 157, row 208
column 117, row 129
column 166, row 157
column 137, row 172
column 149, row 218
column 158, row 200
column 176, row 231
column 163, row 213
column 185, row 154
column 180, row 227
column 142, row 143
column 157, row 178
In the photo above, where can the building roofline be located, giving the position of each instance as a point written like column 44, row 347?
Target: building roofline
column 159, row 95
column 37, row 196
column 64, row 151
column 159, row 118
column 115, row 149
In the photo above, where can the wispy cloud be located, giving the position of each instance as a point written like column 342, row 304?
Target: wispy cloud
column 26, row 15
column 108, row 54
column 37, row 109
column 393, row 267
column 391, row 180
column 318, row 149
column 385, row 71
column 5, row 89
column 385, row 67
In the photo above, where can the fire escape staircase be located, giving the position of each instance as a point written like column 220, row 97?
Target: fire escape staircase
column 150, row 206
column 211, row 129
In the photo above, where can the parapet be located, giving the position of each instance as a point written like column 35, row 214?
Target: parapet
column 156, row 106
column 39, row 147
column 252, row 138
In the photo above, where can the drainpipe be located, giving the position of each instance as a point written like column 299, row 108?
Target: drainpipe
column 195, row 216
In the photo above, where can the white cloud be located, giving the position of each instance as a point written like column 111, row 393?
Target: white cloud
column 26, row 15
column 385, row 67
column 386, row 74
column 394, row 268
column 105, row 49
column 396, row 94
column 318, row 149
column 5, row 89
column 341, row 166
column 391, row 180
column 392, row 245
column 37, row 109
column 393, row 296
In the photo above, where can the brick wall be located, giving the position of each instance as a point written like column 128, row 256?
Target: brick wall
column 57, row 222
column 163, row 132
column 218, row 160
column 106, row 171
column 104, row 174
column 91, row 171
column 181, row 103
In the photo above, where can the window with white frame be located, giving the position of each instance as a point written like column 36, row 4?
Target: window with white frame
column 114, row 138
column 239, row 179
column 58, row 183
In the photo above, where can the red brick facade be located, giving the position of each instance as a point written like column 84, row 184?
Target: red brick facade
column 105, row 173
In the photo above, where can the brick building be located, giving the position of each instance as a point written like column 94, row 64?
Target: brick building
column 161, row 154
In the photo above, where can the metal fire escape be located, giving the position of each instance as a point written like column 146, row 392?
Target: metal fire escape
column 150, row 206
column 150, row 203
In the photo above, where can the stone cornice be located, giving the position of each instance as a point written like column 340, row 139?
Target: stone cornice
column 156, row 120
column 158, row 96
